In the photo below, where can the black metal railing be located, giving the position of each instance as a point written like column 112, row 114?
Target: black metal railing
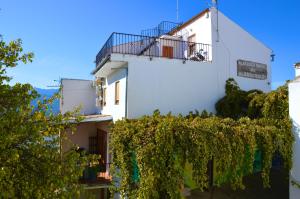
column 163, row 28
column 154, row 47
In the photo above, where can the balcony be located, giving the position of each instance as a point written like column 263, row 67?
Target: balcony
column 163, row 46
column 96, row 175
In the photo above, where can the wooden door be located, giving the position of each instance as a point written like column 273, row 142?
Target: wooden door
column 102, row 144
column 168, row 52
column 192, row 45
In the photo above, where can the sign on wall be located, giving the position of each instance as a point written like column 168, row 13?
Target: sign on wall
column 252, row 70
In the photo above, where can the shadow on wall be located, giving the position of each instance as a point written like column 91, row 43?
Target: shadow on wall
column 117, row 75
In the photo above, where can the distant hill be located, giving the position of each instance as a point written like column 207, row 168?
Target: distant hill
column 47, row 93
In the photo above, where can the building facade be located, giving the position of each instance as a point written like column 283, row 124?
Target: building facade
column 294, row 109
column 173, row 67
column 182, row 71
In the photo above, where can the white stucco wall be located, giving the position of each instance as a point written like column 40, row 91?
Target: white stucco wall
column 116, row 110
column 297, row 71
column 294, row 108
column 235, row 43
column 170, row 85
column 201, row 28
column 77, row 93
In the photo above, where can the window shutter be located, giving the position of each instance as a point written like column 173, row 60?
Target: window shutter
column 104, row 97
column 117, row 92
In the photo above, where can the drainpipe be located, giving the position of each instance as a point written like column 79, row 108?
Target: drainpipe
column 126, row 94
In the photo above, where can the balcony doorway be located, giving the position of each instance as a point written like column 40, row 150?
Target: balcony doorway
column 192, row 45
column 98, row 145
column 102, row 147
column 167, row 52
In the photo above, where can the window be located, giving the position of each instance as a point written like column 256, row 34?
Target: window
column 93, row 145
column 192, row 45
column 117, row 92
column 98, row 145
column 168, row 52
column 104, row 97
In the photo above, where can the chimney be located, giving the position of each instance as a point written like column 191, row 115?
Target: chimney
column 297, row 69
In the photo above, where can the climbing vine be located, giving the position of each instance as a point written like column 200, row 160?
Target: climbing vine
column 150, row 154
column 295, row 184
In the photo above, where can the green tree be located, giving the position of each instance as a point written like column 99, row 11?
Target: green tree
column 235, row 103
column 32, row 164
column 238, row 103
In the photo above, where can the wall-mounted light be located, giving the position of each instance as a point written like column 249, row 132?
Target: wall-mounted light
column 272, row 57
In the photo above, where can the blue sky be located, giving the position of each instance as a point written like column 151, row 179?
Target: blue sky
column 66, row 35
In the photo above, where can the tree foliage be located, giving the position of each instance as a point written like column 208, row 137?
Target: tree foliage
column 163, row 145
column 254, row 103
column 32, row 164
column 235, row 103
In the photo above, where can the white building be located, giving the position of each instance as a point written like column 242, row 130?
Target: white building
column 81, row 95
column 297, row 69
column 175, row 68
column 294, row 108
column 180, row 72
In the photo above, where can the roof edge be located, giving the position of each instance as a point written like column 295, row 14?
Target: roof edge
column 93, row 118
column 246, row 31
column 185, row 24
column 75, row 79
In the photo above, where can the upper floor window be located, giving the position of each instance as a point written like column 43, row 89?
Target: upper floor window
column 117, row 92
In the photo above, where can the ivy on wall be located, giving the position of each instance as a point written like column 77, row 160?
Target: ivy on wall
column 162, row 146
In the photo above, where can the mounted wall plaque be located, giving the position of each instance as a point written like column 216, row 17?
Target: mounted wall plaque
column 252, row 70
